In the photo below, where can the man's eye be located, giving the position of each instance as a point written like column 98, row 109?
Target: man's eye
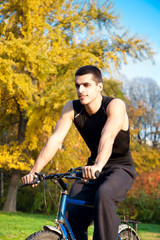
column 86, row 85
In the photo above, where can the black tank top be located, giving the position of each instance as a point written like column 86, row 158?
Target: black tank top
column 90, row 127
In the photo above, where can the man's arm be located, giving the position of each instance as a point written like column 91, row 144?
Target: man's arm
column 54, row 142
column 116, row 121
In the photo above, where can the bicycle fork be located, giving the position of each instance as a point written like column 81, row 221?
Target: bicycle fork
column 62, row 220
column 63, row 227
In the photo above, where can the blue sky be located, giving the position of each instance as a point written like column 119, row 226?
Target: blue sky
column 141, row 17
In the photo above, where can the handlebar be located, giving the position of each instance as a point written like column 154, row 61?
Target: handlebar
column 73, row 173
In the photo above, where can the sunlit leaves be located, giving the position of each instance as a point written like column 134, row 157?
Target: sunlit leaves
column 42, row 44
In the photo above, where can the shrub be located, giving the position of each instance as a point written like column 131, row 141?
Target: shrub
column 32, row 199
column 143, row 201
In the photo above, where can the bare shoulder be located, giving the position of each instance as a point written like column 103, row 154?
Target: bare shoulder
column 68, row 111
column 117, row 110
column 68, row 106
column 116, row 105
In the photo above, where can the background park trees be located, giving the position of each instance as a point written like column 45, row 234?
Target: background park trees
column 42, row 43
column 144, row 94
column 144, row 112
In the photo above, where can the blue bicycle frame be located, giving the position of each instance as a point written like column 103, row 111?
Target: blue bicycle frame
column 63, row 229
column 62, row 220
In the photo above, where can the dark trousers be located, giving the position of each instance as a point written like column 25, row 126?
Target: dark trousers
column 105, row 193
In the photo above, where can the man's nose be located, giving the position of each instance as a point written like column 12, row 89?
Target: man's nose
column 81, row 88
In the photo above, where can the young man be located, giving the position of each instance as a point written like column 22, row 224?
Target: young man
column 104, row 125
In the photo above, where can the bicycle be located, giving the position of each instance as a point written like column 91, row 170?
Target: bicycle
column 62, row 230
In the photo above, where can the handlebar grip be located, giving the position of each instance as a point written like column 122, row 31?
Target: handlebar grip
column 30, row 184
column 79, row 174
column 97, row 174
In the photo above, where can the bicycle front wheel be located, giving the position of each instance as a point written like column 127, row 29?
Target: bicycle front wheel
column 127, row 233
column 44, row 235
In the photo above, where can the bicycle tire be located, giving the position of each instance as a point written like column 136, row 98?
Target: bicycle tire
column 44, row 235
column 128, row 233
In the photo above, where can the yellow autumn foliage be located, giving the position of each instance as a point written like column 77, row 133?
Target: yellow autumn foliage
column 146, row 158
column 14, row 158
column 42, row 43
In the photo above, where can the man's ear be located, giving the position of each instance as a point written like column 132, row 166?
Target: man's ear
column 100, row 86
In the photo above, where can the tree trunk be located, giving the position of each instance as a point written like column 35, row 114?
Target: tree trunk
column 2, row 184
column 10, row 203
column 22, row 127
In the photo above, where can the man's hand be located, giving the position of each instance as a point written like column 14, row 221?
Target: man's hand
column 88, row 172
column 29, row 178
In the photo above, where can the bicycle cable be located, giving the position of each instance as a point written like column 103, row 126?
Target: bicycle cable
column 45, row 201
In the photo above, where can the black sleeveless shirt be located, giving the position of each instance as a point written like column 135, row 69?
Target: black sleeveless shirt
column 90, row 127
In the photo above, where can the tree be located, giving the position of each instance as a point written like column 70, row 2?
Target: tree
column 114, row 88
column 144, row 198
column 144, row 94
column 42, row 43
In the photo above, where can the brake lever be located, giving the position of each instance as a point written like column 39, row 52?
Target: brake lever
column 40, row 176
column 37, row 180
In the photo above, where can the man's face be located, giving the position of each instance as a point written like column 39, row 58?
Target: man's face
column 87, row 88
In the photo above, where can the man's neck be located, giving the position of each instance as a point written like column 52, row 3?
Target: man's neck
column 94, row 106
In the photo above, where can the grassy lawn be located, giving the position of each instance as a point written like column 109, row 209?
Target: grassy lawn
column 145, row 231
column 17, row 226
column 149, row 231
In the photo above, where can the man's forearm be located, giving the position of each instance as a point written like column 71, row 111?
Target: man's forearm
column 47, row 153
column 104, row 151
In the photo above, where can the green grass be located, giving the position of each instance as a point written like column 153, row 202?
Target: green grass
column 145, row 231
column 17, row 226
column 149, row 231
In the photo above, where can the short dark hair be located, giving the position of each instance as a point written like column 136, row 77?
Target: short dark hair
column 90, row 69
